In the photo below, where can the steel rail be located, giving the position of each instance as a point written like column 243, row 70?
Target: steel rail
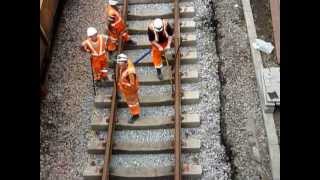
column 177, row 93
column 113, row 113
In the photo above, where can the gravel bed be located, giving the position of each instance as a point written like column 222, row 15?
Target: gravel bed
column 147, row 70
column 143, row 160
column 242, row 119
column 161, row 8
column 164, row 89
column 143, row 38
column 145, row 136
column 154, row 90
column 144, row 23
column 147, row 111
column 65, row 113
column 212, row 156
column 136, row 160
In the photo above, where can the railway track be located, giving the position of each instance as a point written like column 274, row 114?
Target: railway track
column 108, row 111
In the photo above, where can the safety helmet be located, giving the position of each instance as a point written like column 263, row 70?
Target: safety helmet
column 122, row 58
column 91, row 31
column 158, row 25
column 113, row 2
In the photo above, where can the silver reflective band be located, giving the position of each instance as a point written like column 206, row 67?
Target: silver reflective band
column 133, row 105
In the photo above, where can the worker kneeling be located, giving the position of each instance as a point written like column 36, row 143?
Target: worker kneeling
column 128, row 85
column 160, row 35
column 96, row 45
column 116, row 27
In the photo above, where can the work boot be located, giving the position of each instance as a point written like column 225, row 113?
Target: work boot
column 110, row 53
column 160, row 77
column 103, row 81
column 131, row 42
column 118, row 96
column 98, row 82
column 159, row 74
column 133, row 118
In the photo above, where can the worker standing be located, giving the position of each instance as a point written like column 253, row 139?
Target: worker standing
column 160, row 35
column 128, row 85
column 115, row 26
column 96, row 45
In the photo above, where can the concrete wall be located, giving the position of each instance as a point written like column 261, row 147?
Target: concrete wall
column 42, row 52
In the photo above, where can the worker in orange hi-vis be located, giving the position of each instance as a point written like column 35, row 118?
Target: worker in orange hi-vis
column 116, row 27
column 128, row 85
column 96, row 45
column 160, row 35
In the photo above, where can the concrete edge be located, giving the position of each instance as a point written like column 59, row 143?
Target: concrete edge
column 273, row 146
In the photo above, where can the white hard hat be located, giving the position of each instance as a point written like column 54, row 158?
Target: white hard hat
column 91, row 31
column 158, row 25
column 113, row 2
column 122, row 58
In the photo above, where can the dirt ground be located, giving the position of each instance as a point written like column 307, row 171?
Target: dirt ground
column 263, row 22
column 242, row 122
column 262, row 19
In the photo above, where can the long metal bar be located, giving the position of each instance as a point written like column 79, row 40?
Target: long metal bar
column 275, row 14
column 113, row 113
column 177, row 95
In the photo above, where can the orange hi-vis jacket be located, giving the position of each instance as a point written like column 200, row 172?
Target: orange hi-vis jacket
column 98, row 55
column 128, row 85
column 116, row 29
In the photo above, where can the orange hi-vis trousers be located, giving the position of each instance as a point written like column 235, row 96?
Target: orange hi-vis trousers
column 132, row 100
column 131, row 97
column 98, row 63
column 130, row 90
column 130, row 94
column 115, row 32
column 156, row 54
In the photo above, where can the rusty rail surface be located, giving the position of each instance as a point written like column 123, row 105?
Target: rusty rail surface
column 113, row 113
column 177, row 93
column 275, row 14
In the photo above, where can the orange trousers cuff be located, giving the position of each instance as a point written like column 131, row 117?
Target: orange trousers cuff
column 156, row 55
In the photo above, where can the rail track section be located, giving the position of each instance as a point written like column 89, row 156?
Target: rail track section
column 108, row 119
